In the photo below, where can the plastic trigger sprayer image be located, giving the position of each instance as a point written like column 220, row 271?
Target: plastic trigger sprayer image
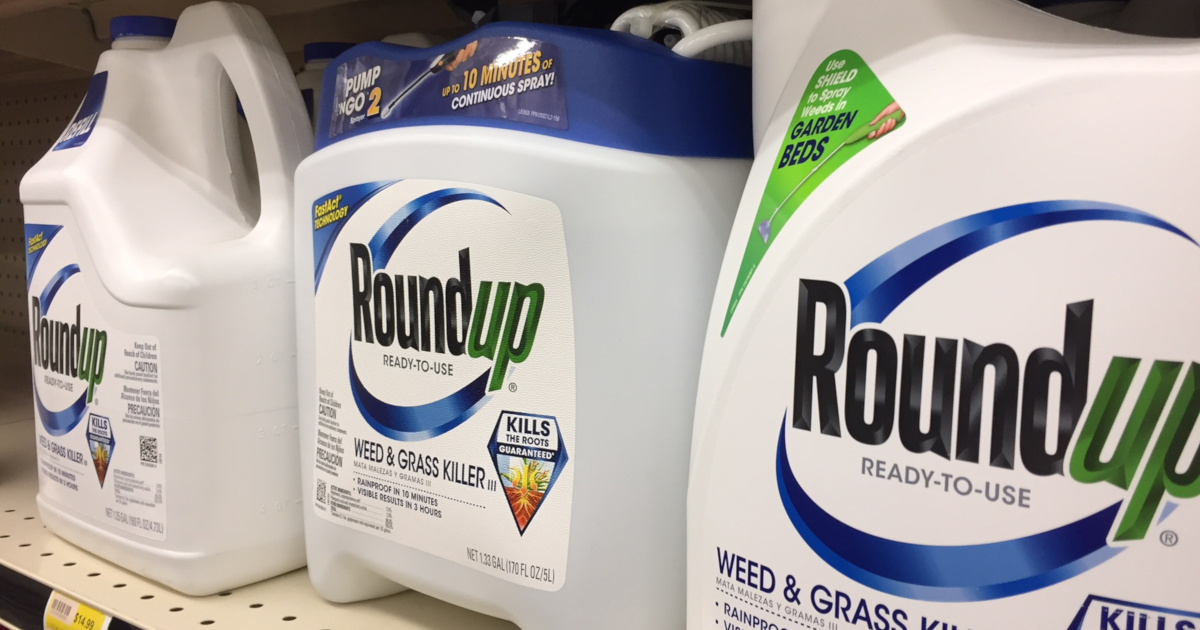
column 448, row 61
column 883, row 123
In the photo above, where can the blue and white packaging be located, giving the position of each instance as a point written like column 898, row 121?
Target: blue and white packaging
column 508, row 243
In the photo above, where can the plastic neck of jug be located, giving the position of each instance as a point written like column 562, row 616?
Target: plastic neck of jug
column 140, row 43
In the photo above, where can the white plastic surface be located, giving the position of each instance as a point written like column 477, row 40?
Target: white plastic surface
column 781, row 31
column 134, row 42
column 643, row 237
column 173, row 247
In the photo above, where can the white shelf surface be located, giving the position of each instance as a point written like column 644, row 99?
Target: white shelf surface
column 286, row 602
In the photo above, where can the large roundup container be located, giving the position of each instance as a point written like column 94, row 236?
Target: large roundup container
column 161, row 308
column 507, row 245
column 950, row 378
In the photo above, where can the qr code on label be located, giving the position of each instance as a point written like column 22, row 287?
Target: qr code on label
column 320, row 491
column 149, row 449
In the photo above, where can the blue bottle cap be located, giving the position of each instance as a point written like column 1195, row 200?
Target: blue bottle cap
column 141, row 26
column 324, row 50
column 604, row 88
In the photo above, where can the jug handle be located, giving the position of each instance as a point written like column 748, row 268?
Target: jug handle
column 243, row 45
column 713, row 36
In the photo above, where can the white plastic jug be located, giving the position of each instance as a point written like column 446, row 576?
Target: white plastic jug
column 506, row 247
column 161, row 307
column 951, row 371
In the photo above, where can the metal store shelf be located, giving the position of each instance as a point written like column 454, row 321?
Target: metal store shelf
column 33, row 561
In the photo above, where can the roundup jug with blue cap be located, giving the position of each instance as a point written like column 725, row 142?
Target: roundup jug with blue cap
column 952, row 372
column 507, row 245
column 161, row 306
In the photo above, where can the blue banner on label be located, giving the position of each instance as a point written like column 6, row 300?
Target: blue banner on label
column 84, row 122
column 499, row 78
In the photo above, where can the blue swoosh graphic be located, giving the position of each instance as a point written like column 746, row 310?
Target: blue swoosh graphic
column 385, row 241
column 419, row 422
column 56, row 282
column 59, row 423
column 960, row 573
column 323, row 239
column 881, row 286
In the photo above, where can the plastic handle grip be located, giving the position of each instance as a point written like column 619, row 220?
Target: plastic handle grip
column 242, row 44
column 713, row 36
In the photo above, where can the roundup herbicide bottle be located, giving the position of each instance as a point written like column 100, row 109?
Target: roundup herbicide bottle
column 161, row 311
column 317, row 56
column 951, row 377
column 508, row 243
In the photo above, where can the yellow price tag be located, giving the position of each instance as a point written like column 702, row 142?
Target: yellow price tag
column 64, row 613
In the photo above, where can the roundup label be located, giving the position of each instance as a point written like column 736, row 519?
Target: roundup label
column 445, row 372
column 80, row 129
column 97, row 396
column 954, row 400
column 957, row 431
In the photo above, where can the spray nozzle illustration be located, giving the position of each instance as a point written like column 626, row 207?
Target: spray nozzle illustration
column 886, row 121
column 448, row 62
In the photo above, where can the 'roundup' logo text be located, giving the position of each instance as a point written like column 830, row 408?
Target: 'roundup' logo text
column 68, row 348
column 1020, row 399
column 432, row 315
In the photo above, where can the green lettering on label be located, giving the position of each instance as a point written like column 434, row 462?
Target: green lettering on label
column 1162, row 475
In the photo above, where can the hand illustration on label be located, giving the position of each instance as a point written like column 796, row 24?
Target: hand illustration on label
column 447, row 62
